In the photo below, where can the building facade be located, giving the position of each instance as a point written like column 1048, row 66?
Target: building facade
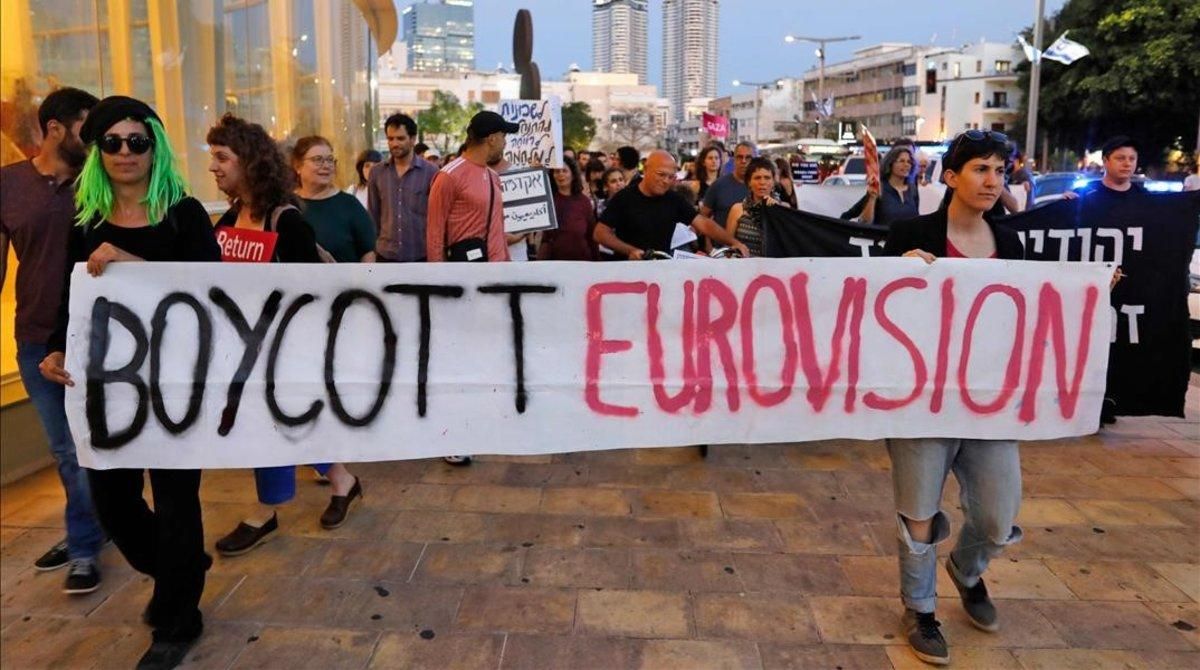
column 689, row 52
column 765, row 114
column 619, row 37
column 439, row 35
column 921, row 93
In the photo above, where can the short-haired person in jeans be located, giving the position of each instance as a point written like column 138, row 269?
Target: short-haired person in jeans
column 988, row 471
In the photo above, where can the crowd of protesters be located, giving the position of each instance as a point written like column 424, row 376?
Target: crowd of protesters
column 105, row 188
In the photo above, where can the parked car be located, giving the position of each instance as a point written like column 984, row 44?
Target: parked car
column 1052, row 185
column 845, row 180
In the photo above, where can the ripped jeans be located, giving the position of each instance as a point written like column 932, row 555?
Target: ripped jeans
column 989, row 478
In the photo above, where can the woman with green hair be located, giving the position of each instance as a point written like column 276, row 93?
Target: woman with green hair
column 132, row 206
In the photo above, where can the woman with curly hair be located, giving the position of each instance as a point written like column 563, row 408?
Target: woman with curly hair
column 252, row 172
column 132, row 206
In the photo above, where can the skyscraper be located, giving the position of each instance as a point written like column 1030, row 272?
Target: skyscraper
column 689, row 51
column 440, row 35
column 619, row 37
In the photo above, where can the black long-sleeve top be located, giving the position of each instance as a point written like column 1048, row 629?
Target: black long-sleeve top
column 184, row 234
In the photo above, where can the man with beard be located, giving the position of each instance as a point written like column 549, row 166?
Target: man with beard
column 36, row 215
column 398, row 195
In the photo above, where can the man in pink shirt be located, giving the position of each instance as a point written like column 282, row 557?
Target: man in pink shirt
column 465, row 194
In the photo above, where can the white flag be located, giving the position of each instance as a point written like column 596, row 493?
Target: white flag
column 1065, row 51
column 1031, row 54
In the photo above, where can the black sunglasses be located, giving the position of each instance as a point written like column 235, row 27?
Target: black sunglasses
column 974, row 136
column 137, row 143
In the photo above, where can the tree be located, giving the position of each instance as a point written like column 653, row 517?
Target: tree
column 634, row 126
column 1141, row 78
column 444, row 124
column 579, row 128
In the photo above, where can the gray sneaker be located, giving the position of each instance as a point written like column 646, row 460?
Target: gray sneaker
column 924, row 637
column 976, row 602
column 83, row 576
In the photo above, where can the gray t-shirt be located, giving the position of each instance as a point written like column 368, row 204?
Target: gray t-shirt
column 723, row 195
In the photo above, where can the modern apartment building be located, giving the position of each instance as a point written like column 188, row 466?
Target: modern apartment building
column 619, row 37
column 439, row 35
column 689, row 53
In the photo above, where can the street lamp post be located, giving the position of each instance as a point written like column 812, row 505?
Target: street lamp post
column 758, row 87
column 1035, row 83
column 821, row 42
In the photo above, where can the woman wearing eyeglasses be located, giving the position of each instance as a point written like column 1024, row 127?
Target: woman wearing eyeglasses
column 132, row 206
column 250, row 169
column 342, row 226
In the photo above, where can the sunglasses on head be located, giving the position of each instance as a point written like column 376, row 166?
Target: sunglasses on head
column 974, row 137
column 138, row 143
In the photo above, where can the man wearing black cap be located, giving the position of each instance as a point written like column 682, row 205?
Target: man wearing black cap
column 36, row 215
column 466, row 211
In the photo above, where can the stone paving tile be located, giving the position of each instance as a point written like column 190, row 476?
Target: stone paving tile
column 285, row 600
column 684, row 570
column 1183, row 617
column 902, row 658
column 220, row 645
column 516, row 610
column 857, row 620
column 511, row 499
column 1022, row 624
column 1115, row 580
column 539, row 652
column 577, row 568
column 1125, row 513
column 1110, row 625
column 764, row 506
column 468, row 564
column 307, row 647
column 365, row 560
column 1048, row 512
column 534, row 530
column 698, row 655
column 442, row 651
column 645, row 614
column 391, row 606
column 755, row 616
column 126, row 604
column 436, row 526
column 49, row 642
column 1185, row 577
column 831, row 537
column 777, row 656
column 584, row 501
column 1096, row 659
column 1017, row 579
column 663, row 504
column 789, row 572
column 733, row 534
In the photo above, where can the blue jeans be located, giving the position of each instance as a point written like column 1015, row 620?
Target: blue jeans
column 989, row 479
column 84, row 535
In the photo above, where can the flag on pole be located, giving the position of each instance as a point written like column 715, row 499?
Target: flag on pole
column 1065, row 51
column 871, row 159
column 824, row 107
column 1031, row 54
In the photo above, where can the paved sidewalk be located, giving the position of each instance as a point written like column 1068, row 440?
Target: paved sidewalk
column 775, row 556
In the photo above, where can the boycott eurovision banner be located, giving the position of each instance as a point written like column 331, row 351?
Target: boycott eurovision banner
column 237, row 365
column 539, row 140
column 1150, row 236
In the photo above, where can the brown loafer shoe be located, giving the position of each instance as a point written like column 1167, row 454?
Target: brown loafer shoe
column 339, row 506
column 246, row 537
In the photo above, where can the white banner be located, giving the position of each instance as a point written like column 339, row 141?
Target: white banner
column 239, row 365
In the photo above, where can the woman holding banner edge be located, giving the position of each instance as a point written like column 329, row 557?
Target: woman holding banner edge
column 132, row 207
column 249, row 168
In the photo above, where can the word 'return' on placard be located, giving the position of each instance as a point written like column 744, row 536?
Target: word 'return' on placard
column 539, row 141
column 245, row 365
column 528, row 201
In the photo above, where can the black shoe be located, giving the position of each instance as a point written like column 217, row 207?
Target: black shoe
column 82, row 577
column 704, row 451
column 246, row 537
column 459, row 461
column 1108, row 412
column 53, row 559
column 924, row 637
column 976, row 602
column 339, row 506
column 163, row 655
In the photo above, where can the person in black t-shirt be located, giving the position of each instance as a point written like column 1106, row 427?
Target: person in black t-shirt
column 122, row 219
column 642, row 217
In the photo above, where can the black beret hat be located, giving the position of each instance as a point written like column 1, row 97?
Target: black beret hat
column 111, row 111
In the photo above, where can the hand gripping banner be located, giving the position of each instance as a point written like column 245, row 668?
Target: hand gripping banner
column 240, row 365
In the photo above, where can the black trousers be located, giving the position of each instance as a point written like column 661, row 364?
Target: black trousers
column 166, row 543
